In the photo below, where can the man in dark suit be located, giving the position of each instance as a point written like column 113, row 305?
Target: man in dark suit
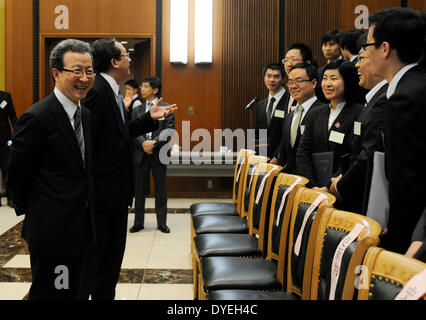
column 368, row 131
column 7, row 113
column 50, row 176
column 394, row 45
column 148, row 156
column 349, row 44
column 303, row 78
column 270, row 112
column 112, row 161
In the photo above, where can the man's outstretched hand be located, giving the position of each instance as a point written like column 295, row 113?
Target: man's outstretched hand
column 158, row 112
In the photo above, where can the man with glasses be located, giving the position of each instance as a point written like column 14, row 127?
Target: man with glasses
column 350, row 189
column 50, row 176
column 302, row 80
column 112, row 133
column 394, row 45
column 297, row 53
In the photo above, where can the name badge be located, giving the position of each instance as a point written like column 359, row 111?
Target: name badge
column 336, row 137
column 3, row 104
column 279, row 114
column 357, row 128
column 302, row 129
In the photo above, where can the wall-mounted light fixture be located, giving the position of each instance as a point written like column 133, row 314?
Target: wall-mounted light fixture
column 203, row 29
column 179, row 31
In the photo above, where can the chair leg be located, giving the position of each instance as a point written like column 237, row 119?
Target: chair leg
column 195, row 278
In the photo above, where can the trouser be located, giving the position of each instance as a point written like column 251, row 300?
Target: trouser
column 105, row 258
column 142, row 174
column 56, row 278
column 4, row 155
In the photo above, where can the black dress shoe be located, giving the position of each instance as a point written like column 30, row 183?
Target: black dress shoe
column 163, row 228
column 136, row 228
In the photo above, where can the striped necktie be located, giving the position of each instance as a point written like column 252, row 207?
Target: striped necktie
column 120, row 104
column 78, row 130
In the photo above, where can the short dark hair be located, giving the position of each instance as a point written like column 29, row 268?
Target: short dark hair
column 311, row 71
column 103, row 51
column 133, row 83
column 350, row 79
column 403, row 29
column 349, row 40
column 305, row 51
column 154, row 83
column 274, row 66
column 57, row 55
column 361, row 40
column 332, row 35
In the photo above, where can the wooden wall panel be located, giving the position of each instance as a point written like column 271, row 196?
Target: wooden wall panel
column 194, row 85
column 19, row 59
column 100, row 16
column 250, row 41
column 348, row 9
column 307, row 21
column 417, row 4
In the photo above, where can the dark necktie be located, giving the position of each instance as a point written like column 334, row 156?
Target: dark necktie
column 78, row 130
column 149, row 134
column 121, row 104
column 269, row 111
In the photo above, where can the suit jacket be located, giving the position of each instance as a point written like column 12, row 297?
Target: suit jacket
column 161, row 136
column 405, row 134
column 49, row 182
column 287, row 153
column 352, row 185
column 7, row 112
column 275, row 127
column 316, row 138
column 112, row 148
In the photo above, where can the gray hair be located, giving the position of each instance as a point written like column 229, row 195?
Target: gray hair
column 74, row 45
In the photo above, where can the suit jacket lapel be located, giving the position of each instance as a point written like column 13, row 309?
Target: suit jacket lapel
column 115, row 108
column 64, row 126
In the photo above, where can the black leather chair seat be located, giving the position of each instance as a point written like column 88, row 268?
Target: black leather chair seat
column 219, row 224
column 226, row 244
column 251, row 295
column 220, row 273
column 218, row 208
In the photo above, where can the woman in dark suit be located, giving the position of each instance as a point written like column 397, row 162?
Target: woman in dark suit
column 329, row 128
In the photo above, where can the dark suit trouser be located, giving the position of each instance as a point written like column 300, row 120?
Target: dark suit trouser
column 142, row 171
column 56, row 278
column 4, row 155
column 107, row 255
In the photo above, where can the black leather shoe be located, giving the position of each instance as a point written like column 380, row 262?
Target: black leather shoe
column 136, row 228
column 163, row 228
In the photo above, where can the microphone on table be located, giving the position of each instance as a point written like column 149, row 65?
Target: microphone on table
column 251, row 103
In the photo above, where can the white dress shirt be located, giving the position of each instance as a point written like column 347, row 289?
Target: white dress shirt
column 306, row 106
column 335, row 113
column 374, row 90
column 277, row 97
column 395, row 80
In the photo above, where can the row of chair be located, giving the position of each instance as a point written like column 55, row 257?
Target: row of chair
column 281, row 240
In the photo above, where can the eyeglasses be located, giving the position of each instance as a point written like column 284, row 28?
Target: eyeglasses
column 365, row 45
column 125, row 55
column 298, row 82
column 80, row 73
column 292, row 61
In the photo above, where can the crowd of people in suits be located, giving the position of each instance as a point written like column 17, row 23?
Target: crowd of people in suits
column 367, row 98
column 69, row 168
